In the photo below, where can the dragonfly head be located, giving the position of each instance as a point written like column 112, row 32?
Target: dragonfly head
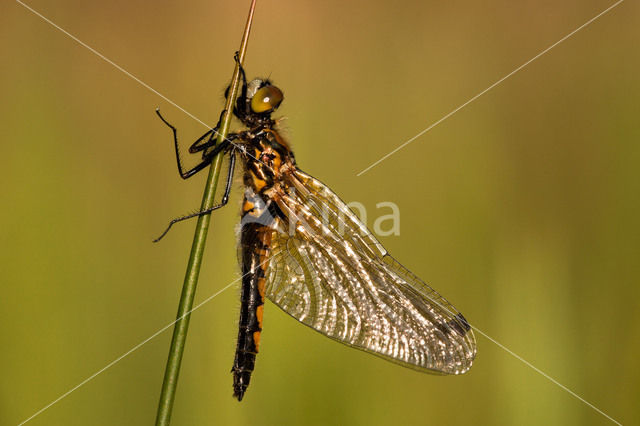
column 263, row 97
column 258, row 100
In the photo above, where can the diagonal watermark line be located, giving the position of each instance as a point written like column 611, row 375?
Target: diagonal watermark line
column 129, row 352
column 100, row 55
column 133, row 77
column 229, row 285
column 487, row 89
column 545, row 375
column 142, row 343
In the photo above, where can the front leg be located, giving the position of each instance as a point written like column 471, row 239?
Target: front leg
column 199, row 145
column 242, row 108
column 196, row 146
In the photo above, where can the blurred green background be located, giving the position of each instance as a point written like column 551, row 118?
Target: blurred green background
column 522, row 208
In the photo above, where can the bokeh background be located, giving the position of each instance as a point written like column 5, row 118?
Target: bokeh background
column 522, row 208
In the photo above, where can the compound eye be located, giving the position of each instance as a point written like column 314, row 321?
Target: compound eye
column 266, row 99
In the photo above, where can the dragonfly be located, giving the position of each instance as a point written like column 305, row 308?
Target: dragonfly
column 301, row 247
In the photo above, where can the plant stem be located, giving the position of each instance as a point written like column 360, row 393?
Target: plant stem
column 181, row 327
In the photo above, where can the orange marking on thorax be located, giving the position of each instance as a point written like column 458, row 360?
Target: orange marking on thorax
column 277, row 161
column 278, row 138
column 257, row 182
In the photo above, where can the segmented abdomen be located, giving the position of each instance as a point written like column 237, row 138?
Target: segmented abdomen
column 255, row 238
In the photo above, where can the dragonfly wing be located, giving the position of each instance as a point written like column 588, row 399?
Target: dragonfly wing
column 331, row 274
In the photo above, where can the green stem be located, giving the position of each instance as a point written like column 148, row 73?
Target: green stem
column 181, row 327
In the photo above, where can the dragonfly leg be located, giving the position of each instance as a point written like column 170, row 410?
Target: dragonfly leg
column 241, row 109
column 185, row 174
column 223, row 201
column 201, row 144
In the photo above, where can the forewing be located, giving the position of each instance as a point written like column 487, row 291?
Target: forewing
column 331, row 274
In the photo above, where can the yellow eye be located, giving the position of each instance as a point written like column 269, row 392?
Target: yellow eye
column 266, row 99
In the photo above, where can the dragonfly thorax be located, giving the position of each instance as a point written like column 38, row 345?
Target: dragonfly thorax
column 266, row 157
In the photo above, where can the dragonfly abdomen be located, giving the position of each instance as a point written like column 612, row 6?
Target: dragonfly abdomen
column 254, row 240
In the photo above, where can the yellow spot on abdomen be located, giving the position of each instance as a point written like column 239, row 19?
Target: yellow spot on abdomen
column 247, row 206
column 259, row 312
column 261, row 285
column 256, row 339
